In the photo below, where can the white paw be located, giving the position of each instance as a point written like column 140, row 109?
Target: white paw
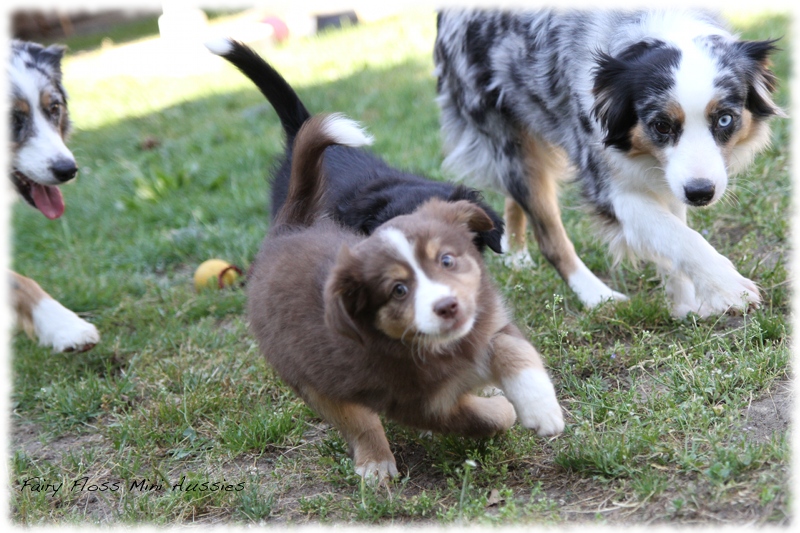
column 590, row 289
column 546, row 420
column 378, row 471
column 61, row 329
column 534, row 399
column 518, row 260
column 721, row 290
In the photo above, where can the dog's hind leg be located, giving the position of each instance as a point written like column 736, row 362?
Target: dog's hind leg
column 544, row 165
column 362, row 429
column 41, row 316
column 515, row 247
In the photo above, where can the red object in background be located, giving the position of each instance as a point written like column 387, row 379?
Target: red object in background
column 279, row 27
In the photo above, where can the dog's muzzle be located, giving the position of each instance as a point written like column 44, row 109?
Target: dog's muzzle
column 699, row 192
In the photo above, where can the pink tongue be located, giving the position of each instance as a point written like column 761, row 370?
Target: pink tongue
column 48, row 200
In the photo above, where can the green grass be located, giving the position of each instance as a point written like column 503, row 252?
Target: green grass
column 173, row 173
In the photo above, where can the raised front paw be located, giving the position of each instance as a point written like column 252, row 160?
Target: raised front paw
column 61, row 329
column 547, row 420
column 534, row 399
column 723, row 289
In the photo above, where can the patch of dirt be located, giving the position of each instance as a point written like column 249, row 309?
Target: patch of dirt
column 770, row 413
column 26, row 437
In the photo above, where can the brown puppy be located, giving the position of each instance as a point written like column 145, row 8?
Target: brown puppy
column 404, row 323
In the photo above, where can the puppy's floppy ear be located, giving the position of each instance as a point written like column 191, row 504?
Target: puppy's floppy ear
column 760, row 79
column 493, row 238
column 345, row 295
column 464, row 212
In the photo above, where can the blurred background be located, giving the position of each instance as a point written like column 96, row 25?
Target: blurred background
column 87, row 29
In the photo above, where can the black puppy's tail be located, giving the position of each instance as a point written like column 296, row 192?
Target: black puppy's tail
column 291, row 111
column 306, row 183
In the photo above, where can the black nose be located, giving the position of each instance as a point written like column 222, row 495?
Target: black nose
column 64, row 169
column 446, row 307
column 699, row 191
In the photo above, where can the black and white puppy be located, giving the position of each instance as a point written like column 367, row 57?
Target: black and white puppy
column 40, row 163
column 654, row 110
column 362, row 191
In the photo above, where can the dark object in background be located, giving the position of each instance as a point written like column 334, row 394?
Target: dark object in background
column 55, row 25
column 336, row 20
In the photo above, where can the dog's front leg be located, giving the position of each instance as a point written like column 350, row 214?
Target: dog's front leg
column 362, row 429
column 652, row 232
column 518, row 370
column 43, row 317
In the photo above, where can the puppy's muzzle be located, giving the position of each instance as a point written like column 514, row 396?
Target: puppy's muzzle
column 446, row 308
column 64, row 169
column 699, row 191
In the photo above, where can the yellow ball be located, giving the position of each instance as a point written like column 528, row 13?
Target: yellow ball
column 215, row 273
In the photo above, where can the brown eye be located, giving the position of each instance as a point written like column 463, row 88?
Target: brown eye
column 399, row 291
column 448, row 261
column 18, row 120
column 55, row 109
column 662, row 127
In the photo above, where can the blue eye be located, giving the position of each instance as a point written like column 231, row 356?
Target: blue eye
column 448, row 261
column 724, row 121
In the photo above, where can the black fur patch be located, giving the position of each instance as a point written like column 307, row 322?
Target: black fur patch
column 641, row 72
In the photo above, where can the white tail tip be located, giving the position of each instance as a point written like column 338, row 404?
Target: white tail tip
column 346, row 131
column 220, row 46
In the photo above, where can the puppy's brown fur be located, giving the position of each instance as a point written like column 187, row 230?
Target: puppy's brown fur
column 404, row 323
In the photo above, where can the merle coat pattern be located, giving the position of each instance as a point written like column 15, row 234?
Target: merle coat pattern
column 653, row 111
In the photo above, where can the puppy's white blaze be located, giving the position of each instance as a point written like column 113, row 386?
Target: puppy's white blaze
column 590, row 289
column 427, row 293
column 345, row 131
column 220, row 46
column 534, row 399
column 58, row 327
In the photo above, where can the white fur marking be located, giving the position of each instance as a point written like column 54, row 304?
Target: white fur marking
column 220, row 46
column 377, row 471
column 35, row 157
column 654, row 233
column 427, row 292
column 58, row 327
column 590, row 289
column 345, row 131
column 534, row 399
column 696, row 155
